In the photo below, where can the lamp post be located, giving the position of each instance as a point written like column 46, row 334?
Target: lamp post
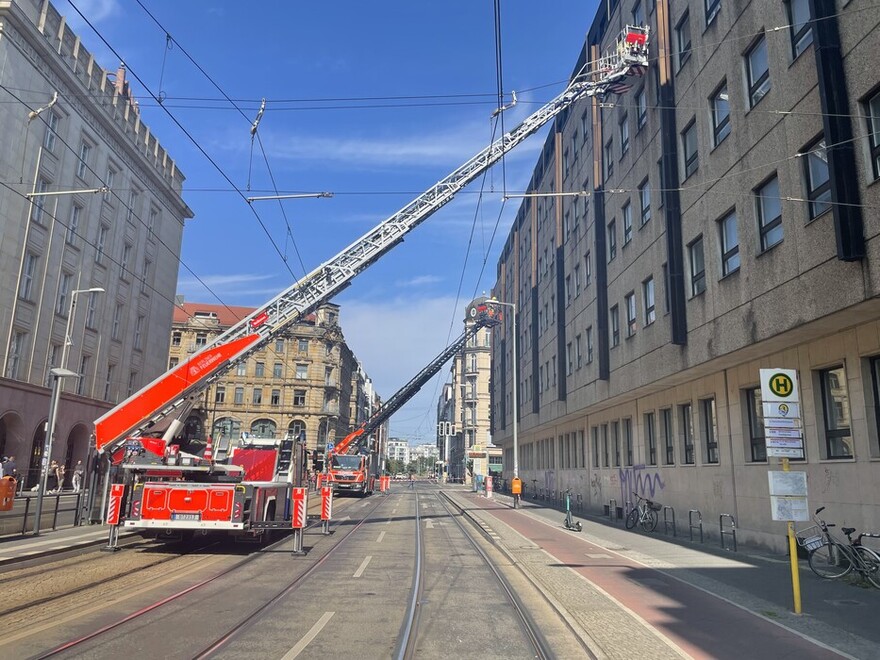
column 514, row 379
column 57, row 375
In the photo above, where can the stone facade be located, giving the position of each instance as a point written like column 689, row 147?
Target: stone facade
column 69, row 127
column 720, row 231
column 307, row 380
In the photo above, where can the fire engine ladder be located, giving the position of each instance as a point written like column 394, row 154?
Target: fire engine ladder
column 487, row 319
column 177, row 389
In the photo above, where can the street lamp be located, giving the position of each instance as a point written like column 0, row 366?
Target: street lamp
column 514, row 379
column 57, row 375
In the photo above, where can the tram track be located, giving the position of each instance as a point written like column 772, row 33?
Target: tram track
column 236, row 630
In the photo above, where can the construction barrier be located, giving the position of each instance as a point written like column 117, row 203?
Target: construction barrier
column 7, row 493
column 114, row 507
column 489, row 487
column 326, row 502
column 300, row 499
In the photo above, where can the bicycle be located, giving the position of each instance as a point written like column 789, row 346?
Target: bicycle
column 644, row 513
column 831, row 559
column 570, row 522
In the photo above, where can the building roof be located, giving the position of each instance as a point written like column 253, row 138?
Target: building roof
column 227, row 315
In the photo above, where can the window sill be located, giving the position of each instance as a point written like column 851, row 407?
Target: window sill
column 769, row 249
column 824, row 213
column 735, row 271
column 842, row 459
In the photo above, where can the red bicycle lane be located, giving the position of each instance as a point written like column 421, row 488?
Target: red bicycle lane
column 701, row 624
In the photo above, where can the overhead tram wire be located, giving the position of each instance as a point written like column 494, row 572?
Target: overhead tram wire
column 189, row 136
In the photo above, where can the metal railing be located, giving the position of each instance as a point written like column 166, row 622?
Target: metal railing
column 697, row 525
column 731, row 531
column 667, row 523
column 55, row 506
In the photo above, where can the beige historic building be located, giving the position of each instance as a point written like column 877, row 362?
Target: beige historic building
column 306, row 380
column 69, row 128
column 727, row 224
column 465, row 404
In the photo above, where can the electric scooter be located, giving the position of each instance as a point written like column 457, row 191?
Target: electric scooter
column 569, row 522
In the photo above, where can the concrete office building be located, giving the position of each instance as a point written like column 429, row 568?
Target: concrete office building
column 728, row 225
column 304, row 380
column 69, row 127
column 398, row 450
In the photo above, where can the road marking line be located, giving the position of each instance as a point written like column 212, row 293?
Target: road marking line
column 381, row 536
column 55, row 543
column 429, row 523
column 597, row 555
column 309, row 636
column 388, row 522
column 363, row 566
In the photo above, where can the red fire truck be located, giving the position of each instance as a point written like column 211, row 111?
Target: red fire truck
column 170, row 491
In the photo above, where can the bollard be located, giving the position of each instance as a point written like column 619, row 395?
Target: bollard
column 727, row 532
column 580, row 504
column 667, row 523
column 612, row 510
column 698, row 525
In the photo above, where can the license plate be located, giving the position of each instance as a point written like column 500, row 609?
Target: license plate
column 186, row 516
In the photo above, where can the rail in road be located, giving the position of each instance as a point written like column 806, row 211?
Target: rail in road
column 401, row 575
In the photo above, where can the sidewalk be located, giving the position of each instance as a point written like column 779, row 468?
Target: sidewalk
column 17, row 548
column 697, row 599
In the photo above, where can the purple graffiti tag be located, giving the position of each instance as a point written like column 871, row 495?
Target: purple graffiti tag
column 638, row 479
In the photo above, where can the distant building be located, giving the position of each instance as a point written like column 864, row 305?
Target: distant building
column 398, row 450
column 69, row 127
column 728, row 224
column 305, row 380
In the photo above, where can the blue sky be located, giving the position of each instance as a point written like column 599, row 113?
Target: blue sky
column 328, row 70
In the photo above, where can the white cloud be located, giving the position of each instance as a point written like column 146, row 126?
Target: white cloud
column 225, row 287
column 94, row 10
column 419, row 280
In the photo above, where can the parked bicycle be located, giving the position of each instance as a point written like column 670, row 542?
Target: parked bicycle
column 831, row 559
column 570, row 522
column 644, row 513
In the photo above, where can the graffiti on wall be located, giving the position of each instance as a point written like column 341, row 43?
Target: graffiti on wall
column 640, row 480
column 596, row 487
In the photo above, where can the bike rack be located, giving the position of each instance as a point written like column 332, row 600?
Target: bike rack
column 727, row 532
column 667, row 523
column 612, row 509
column 698, row 525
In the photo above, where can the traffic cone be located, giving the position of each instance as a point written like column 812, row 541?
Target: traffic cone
column 208, row 454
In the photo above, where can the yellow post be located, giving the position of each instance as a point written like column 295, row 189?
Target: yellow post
column 792, row 553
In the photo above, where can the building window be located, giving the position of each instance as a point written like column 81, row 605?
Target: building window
column 698, row 267
column 220, row 394
column 626, row 211
column 758, row 71
column 667, row 302
column 755, row 409
column 624, row 135
column 644, row 203
column 648, row 297
column 687, row 433
column 132, row 202
column 589, row 344
column 689, row 148
column 299, row 398
column 769, row 214
column 609, row 159
column 126, row 260
column 835, row 406
column 73, row 224
column 729, row 244
column 16, row 350
column 145, row 275
column 630, row 302
column 612, row 240
column 650, row 440
column 800, row 25
column 176, row 338
column 85, row 151
column 710, row 429
column 108, row 381
column 588, row 270
column 239, row 396
column 132, row 381
column 202, row 340
column 259, row 369
column 641, row 109
column 110, row 178
column 578, row 350
column 117, row 318
column 302, row 371
column 276, row 397
column 101, row 243
column 577, row 280
column 872, row 110
column 277, row 370
column 51, row 132
column 875, row 379
column 816, row 176
column 595, row 442
column 569, row 357
column 712, row 9
column 683, row 40
column 63, row 290
column 83, row 370
column 668, row 441
column 240, row 368
column 638, row 14
column 303, row 346
column 720, row 105
column 615, row 326
column 606, row 462
column 91, row 307
column 615, row 437
column 39, row 201
column 28, row 274
column 627, row 442
column 138, row 329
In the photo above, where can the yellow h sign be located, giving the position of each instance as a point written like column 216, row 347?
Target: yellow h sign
column 781, row 385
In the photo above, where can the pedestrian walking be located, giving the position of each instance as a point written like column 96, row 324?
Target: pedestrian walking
column 52, row 477
column 412, row 481
column 60, row 472
column 78, row 471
